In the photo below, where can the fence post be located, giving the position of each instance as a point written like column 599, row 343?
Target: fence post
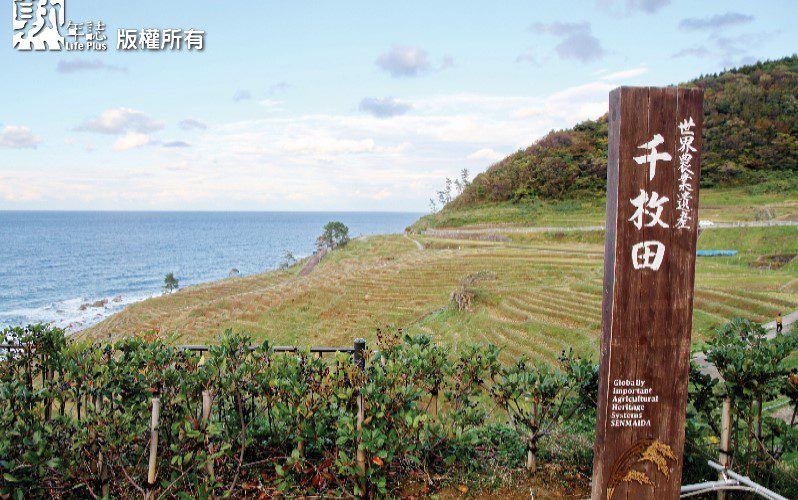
column 360, row 458
column 434, row 404
column 361, row 454
column 102, row 468
column 207, row 399
column 156, row 415
column 360, row 347
column 48, row 376
column 725, row 441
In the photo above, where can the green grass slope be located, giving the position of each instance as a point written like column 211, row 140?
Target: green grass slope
column 758, row 202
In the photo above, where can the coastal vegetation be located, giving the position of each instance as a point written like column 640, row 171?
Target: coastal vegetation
column 289, row 260
column 335, row 234
column 170, row 283
column 406, row 416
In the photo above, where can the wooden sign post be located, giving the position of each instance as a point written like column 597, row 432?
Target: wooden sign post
column 649, row 269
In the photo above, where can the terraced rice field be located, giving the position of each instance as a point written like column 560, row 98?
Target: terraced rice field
column 535, row 298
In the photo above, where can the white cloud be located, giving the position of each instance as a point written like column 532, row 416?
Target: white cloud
column 404, row 61
column 176, row 144
column 83, row 65
column 528, row 113
column 278, row 87
column 192, row 124
column 576, row 40
column 634, row 6
column 716, row 22
column 15, row 137
column 382, row 194
column 623, row 75
column 119, row 121
column 242, row 95
column 386, row 107
column 697, row 51
column 570, row 105
column 486, row 154
column 16, row 189
column 326, row 146
column 321, row 161
column 649, row 6
column 408, row 61
column 131, row 140
column 271, row 104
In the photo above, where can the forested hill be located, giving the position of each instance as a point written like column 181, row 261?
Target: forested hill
column 750, row 136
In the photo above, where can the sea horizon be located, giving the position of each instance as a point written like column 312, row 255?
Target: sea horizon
column 219, row 211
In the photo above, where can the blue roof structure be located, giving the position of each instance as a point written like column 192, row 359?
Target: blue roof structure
column 716, row 253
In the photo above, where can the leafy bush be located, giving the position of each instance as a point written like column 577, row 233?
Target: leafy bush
column 244, row 420
column 540, row 399
column 753, row 372
column 77, row 416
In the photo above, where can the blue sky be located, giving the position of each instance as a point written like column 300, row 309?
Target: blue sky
column 337, row 105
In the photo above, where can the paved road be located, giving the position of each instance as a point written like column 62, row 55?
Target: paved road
column 701, row 359
column 418, row 243
column 447, row 233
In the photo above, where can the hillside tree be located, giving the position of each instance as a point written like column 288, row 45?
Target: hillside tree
column 336, row 234
column 170, row 283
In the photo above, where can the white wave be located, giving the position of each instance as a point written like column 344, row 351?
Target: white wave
column 79, row 313
column 74, row 314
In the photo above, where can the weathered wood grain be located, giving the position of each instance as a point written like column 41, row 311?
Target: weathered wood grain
column 646, row 313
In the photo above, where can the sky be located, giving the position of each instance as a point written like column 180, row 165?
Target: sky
column 341, row 105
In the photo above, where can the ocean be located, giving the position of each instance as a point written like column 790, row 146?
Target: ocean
column 73, row 269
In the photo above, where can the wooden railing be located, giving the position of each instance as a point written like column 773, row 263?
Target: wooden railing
column 357, row 347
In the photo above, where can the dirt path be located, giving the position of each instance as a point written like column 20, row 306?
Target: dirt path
column 450, row 233
column 312, row 263
column 789, row 284
column 455, row 233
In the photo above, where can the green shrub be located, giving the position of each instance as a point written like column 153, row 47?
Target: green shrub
column 76, row 416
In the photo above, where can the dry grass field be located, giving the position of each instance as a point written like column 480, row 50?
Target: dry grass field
column 536, row 294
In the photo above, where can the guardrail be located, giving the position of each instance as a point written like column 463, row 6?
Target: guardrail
column 731, row 481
